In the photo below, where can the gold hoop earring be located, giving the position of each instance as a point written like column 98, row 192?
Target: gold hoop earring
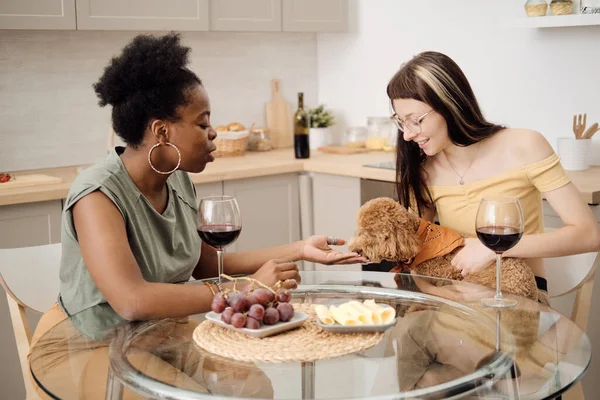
column 162, row 172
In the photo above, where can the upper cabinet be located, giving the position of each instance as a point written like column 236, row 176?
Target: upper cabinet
column 245, row 15
column 177, row 15
column 37, row 14
column 315, row 15
column 161, row 15
column 279, row 15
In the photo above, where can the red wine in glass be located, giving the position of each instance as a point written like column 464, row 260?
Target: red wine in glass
column 499, row 238
column 219, row 224
column 499, row 226
column 219, row 236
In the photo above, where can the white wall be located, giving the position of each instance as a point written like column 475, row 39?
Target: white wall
column 523, row 77
column 48, row 109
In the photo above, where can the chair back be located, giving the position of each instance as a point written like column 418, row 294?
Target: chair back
column 29, row 275
column 570, row 274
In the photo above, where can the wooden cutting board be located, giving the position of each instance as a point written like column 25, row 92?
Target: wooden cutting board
column 279, row 120
column 30, row 180
column 342, row 150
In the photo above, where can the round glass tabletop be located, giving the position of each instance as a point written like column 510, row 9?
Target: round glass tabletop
column 443, row 344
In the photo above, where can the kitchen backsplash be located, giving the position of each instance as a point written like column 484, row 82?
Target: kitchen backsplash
column 50, row 115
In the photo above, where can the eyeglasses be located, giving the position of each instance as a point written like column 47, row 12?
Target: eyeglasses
column 412, row 124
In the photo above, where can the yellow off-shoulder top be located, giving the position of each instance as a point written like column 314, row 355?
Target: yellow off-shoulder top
column 457, row 205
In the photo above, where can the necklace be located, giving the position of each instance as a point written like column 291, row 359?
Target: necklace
column 462, row 181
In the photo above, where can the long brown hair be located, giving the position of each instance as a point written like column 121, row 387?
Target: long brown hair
column 434, row 79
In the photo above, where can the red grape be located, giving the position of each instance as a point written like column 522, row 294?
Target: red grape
column 237, row 301
column 286, row 311
column 252, row 323
column 226, row 315
column 257, row 312
column 238, row 320
column 271, row 316
column 284, row 296
column 263, row 296
column 251, row 300
column 218, row 304
column 246, row 289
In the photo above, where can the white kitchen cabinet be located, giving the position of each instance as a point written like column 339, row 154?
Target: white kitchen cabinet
column 208, row 189
column 30, row 224
column 336, row 201
column 245, row 15
column 270, row 211
column 156, row 15
column 178, row 15
column 37, row 14
column 315, row 15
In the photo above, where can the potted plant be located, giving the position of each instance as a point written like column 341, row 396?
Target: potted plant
column 321, row 121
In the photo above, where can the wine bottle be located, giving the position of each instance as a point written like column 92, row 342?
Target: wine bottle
column 301, row 127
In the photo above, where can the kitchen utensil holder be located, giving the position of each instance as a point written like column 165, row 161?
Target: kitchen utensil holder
column 574, row 153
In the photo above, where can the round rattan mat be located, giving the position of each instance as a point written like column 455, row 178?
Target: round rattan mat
column 307, row 343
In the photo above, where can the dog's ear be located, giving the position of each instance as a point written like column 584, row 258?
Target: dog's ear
column 410, row 217
column 407, row 242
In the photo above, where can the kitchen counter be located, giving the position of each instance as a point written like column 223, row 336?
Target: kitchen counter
column 271, row 163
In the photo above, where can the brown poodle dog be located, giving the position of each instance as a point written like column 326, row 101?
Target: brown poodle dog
column 387, row 231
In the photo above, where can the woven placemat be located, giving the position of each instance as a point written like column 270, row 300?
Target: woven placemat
column 307, row 343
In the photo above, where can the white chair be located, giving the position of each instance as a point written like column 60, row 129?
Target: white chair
column 573, row 274
column 29, row 276
column 567, row 276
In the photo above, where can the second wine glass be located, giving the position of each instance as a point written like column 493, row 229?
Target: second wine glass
column 499, row 227
column 219, row 224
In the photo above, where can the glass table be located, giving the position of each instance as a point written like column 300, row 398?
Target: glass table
column 443, row 345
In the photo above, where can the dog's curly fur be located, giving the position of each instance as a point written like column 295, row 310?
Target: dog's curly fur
column 388, row 231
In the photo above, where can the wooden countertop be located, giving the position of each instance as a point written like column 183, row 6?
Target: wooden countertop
column 271, row 163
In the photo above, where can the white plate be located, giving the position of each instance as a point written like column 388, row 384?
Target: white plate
column 265, row 330
column 337, row 328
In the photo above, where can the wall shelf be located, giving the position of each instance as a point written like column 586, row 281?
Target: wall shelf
column 559, row 21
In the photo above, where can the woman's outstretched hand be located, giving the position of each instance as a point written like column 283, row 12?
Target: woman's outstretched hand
column 316, row 249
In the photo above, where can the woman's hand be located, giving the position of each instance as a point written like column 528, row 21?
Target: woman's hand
column 473, row 257
column 315, row 249
column 274, row 271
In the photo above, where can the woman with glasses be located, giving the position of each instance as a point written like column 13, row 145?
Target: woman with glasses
column 449, row 156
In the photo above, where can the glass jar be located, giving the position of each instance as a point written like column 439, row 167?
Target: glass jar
column 392, row 140
column 356, row 136
column 561, row 7
column 536, row 8
column 378, row 132
column 259, row 140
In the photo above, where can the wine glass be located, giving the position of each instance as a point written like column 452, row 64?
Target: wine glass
column 219, row 224
column 499, row 227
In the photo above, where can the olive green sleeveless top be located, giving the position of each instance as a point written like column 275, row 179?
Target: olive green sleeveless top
column 166, row 246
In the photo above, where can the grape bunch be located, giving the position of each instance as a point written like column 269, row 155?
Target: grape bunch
column 253, row 308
